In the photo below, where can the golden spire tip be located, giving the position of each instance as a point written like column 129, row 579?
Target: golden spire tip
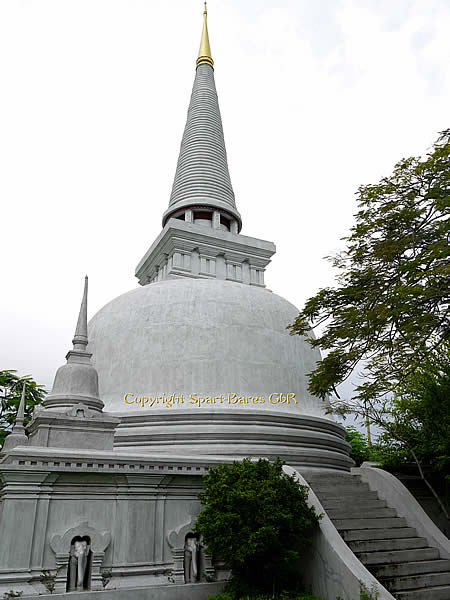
column 204, row 54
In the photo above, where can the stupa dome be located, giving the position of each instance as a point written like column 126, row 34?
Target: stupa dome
column 203, row 337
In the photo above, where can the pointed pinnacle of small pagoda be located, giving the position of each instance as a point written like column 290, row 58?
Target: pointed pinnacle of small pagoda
column 204, row 54
column 80, row 340
column 17, row 437
column 21, row 411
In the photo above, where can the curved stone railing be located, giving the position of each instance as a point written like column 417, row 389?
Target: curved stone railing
column 331, row 569
column 397, row 496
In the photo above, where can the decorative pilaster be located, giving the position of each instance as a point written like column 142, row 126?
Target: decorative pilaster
column 207, row 571
column 216, row 219
column 178, row 564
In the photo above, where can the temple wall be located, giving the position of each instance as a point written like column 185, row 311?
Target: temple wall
column 128, row 518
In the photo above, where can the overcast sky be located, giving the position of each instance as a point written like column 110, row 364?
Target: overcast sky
column 317, row 97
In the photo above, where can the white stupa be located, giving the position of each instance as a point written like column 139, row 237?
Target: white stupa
column 193, row 368
column 198, row 360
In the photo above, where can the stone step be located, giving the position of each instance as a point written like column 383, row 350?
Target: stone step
column 341, row 479
column 393, row 544
column 355, row 512
column 321, row 477
column 332, row 474
column 344, row 497
column 379, row 534
column 411, row 568
column 397, row 556
column 351, row 486
column 369, row 503
column 415, row 582
column 434, row 593
column 381, row 540
column 380, row 523
column 345, row 494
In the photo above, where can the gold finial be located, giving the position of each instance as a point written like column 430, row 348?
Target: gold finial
column 204, row 54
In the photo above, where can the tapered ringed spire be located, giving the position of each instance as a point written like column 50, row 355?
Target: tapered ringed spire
column 202, row 181
column 204, row 54
column 80, row 340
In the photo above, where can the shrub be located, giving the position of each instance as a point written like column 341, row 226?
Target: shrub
column 256, row 518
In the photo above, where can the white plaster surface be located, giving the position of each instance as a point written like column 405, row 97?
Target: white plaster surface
column 204, row 337
column 331, row 568
column 397, row 496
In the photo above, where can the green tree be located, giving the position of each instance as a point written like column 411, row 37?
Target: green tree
column 389, row 313
column 360, row 449
column 419, row 420
column 421, row 412
column 390, row 308
column 10, row 393
column 256, row 518
column 415, row 421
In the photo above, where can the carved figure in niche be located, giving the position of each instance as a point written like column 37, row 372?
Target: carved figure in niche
column 80, row 559
column 192, row 548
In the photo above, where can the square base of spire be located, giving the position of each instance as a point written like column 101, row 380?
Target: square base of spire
column 79, row 428
column 190, row 250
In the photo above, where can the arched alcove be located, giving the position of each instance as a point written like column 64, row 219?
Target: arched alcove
column 94, row 543
column 192, row 557
column 79, row 568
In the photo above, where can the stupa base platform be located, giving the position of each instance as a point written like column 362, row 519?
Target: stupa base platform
column 303, row 441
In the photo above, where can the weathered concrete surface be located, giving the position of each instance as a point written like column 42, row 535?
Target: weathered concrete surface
column 330, row 568
column 204, row 337
column 197, row 591
column 398, row 496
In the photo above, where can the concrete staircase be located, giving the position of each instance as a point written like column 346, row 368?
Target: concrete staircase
column 401, row 561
